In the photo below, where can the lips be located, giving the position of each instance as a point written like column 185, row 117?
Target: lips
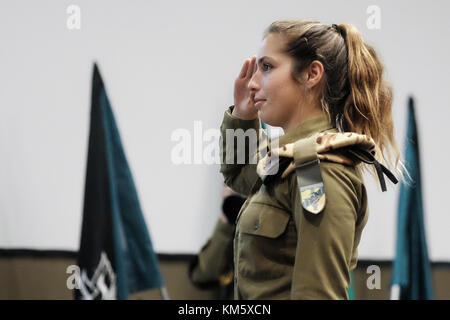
column 259, row 102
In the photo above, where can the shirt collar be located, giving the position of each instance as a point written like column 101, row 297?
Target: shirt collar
column 307, row 128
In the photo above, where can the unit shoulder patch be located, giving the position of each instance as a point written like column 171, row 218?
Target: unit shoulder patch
column 311, row 187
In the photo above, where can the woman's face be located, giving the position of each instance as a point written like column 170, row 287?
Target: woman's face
column 278, row 97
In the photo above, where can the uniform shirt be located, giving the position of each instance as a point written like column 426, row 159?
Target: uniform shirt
column 282, row 251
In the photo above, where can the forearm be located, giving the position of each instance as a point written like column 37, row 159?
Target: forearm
column 239, row 141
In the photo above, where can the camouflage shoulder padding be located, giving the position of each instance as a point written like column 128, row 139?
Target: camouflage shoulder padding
column 340, row 147
column 328, row 147
column 304, row 156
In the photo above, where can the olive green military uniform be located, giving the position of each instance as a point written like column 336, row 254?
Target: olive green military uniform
column 282, row 251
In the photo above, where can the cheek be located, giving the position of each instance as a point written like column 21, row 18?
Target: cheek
column 292, row 93
column 274, row 91
column 287, row 99
column 282, row 95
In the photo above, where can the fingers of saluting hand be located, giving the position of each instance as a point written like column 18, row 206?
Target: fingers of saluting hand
column 252, row 67
column 244, row 69
column 255, row 66
column 248, row 68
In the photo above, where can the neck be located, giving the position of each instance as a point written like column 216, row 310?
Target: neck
column 295, row 122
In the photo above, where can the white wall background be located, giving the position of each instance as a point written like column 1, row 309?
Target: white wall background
column 167, row 64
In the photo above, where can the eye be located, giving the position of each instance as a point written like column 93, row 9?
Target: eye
column 266, row 66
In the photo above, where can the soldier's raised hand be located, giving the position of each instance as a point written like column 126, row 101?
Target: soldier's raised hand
column 243, row 100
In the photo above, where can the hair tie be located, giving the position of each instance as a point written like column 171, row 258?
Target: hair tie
column 339, row 30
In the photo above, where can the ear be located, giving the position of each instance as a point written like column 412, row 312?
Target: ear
column 314, row 73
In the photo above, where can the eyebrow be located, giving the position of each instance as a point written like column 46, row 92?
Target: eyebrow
column 261, row 59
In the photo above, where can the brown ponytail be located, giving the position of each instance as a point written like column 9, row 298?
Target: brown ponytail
column 368, row 107
column 355, row 95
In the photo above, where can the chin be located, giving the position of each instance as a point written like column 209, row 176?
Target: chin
column 263, row 116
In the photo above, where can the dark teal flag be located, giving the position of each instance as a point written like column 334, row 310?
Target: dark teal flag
column 411, row 277
column 116, row 256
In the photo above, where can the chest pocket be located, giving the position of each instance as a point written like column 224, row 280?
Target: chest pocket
column 263, row 219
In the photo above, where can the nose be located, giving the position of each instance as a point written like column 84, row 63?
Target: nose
column 254, row 83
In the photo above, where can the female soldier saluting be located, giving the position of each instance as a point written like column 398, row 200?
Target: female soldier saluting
column 298, row 232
